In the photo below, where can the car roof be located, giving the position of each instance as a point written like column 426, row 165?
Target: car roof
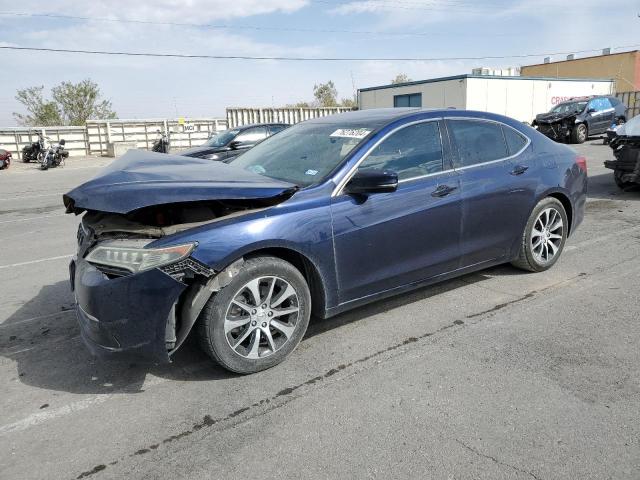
column 371, row 117
column 250, row 125
column 587, row 97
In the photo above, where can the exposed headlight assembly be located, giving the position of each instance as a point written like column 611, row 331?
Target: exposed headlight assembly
column 132, row 256
column 213, row 156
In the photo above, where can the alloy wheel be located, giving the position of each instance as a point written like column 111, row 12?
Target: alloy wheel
column 547, row 235
column 262, row 317
column 582, row 133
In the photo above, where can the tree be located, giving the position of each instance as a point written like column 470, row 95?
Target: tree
column 41, row 112
column 72, row 104
column 81, row 101
column 298, row 105
column 400, row 78
column 349, row 102
column 326, row 94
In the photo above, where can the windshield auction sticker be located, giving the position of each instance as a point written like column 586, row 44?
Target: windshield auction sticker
column 351, row 133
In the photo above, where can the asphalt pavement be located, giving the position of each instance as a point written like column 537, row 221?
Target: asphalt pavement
column 499, row 374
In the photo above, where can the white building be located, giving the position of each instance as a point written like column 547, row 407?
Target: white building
column 521, row 98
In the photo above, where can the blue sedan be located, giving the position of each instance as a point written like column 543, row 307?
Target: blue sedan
column 327, row 215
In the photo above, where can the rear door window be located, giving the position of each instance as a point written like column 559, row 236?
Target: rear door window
column 515, row 140
column 477, row 141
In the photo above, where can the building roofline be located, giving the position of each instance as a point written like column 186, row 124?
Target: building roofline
column 466, row 76
column 581, row 58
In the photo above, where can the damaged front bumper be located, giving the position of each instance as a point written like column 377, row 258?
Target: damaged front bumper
column 558, row 131
column 626, row 166
column 125, row 317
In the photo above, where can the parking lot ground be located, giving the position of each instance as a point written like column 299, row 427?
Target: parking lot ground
column 500, row 374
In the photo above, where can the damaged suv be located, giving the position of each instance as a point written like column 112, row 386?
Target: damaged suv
column 575, row 120
column 329, row 214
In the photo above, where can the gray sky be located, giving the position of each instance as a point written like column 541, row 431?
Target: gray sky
column 152, row 87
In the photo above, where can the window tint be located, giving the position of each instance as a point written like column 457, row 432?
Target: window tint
column 515, row 141
column 477, row 141
column 410, row 100
column 614, row 101
column 410, row 152
column 252, row 135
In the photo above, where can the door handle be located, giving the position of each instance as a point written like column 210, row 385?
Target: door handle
column 442, row 191
column 519, row 169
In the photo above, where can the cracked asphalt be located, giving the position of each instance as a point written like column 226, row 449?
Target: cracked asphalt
column 496, row 375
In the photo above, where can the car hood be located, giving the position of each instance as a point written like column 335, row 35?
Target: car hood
column 141, row 179
column 203, row 150
column 554, row 117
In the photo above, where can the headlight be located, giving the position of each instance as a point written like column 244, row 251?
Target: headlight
column 213, row 156
column 132, row 256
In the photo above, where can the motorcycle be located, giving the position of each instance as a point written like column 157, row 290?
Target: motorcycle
column 54, row 156
column 162, row 144
column 5, row 159
column 35, row 151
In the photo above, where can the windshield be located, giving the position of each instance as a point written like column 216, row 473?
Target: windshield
column 303, row 154
column 569, row 107
column 220, row 139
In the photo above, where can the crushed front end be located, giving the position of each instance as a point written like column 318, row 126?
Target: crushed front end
column 126, row 308
column 626, row 166
column 557, row 128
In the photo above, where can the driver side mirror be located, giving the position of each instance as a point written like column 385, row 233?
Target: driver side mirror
column 372, row 181
column 591, row 110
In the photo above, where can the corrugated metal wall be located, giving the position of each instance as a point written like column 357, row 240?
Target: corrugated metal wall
column 238, row 116
column 632, row 101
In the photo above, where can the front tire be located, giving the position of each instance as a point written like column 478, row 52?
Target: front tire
column 544, row 236
column 259, row 318
column 579, row 134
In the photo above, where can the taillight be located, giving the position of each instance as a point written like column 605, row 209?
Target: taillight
column 582, row 163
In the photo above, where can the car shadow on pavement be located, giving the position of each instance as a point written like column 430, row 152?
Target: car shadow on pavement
column 603, row 187
column 49, row 354
column 318, row 326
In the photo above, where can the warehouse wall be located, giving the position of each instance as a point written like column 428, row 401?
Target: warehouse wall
column 443, row 94
column 523, row 99
column 623, row 67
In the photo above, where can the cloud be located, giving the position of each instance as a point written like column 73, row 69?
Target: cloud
column 199, row 11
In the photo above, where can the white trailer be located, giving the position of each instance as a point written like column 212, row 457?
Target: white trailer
column 521, row 98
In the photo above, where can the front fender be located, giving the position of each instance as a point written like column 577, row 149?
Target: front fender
column 303, row 228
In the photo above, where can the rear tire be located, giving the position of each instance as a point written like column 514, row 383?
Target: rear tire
column 544, row 236
column 579, row 133
column 246, row 336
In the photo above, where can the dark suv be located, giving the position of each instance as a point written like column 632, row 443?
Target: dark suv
column 576, row 119
column 228, row 144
